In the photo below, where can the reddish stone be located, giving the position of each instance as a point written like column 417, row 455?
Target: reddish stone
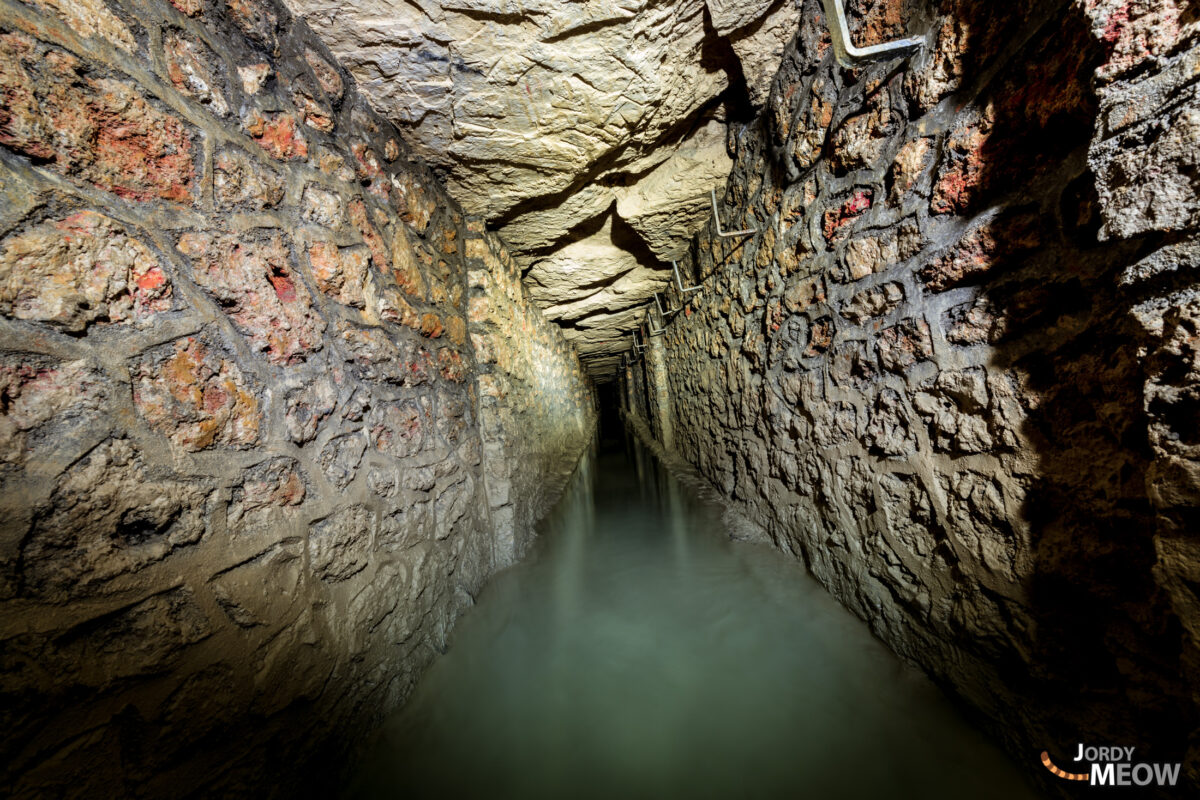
column 451, row 365
column 1135, row 31
column 254, row 284
column 100, row 130
column 196, row 398
column 397, row 430
column 369, row 171
column 820, row 337
column 339, row 272
column 277, row 135
column 431, row 326
column 80, row 271
column 275, row 484
column 285, row 290
column 965, row 167
column 851, row 209
column 256, row 19
column 358, row 215
column 327, row 75
column 985, row 249
column 368, row 163
column 1041, row 109
column 316, row 115
column 190, row 7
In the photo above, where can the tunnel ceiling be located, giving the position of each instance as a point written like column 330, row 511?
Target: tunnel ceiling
column 587, row 133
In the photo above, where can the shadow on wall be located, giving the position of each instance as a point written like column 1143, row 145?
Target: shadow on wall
column 957, row 369
column 1103, row 649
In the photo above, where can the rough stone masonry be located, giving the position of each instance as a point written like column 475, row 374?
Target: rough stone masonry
column 264, row 390
column 957, row 370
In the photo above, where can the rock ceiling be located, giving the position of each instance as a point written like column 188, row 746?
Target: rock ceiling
column 588, row 133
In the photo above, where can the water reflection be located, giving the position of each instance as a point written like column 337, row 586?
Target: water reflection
column 640, row 653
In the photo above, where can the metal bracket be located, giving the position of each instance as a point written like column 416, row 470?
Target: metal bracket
column 650, row 322
column 850, row 56
column 637, row 348
column 685, row 291
column 662, row 312
column 717, row 220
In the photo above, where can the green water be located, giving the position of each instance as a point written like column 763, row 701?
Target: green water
column 641, row 653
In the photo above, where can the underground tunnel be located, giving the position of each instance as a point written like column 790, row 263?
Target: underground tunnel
column 560, row 398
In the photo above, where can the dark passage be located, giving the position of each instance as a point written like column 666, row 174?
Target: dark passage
column 641, row 653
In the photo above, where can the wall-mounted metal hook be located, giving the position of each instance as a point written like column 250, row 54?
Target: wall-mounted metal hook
column 662, row 312
column 637, row 348
column 685, row 291
column 717, row 221
column 650, row 322
column 850, row 56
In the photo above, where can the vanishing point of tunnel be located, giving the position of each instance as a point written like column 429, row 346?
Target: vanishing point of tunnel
column 599, row 398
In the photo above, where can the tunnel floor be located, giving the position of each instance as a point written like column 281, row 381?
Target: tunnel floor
column 641, row 653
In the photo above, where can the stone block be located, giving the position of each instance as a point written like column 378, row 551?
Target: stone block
column 835, row 221
column 277, row 134
column 397, row 429
column 873, row 302
column 255, row 285
column 81, row 271
column 109, row 514
column 239, row 181
column 35, row 392
column 322, row 206
column 983, row 251
column 889, row 431
column 196, row 396
column 340, row 272
column 955, row 407
column 341, row 457
column 339, row 545
column 98, row 130
column 904, row 344
column 195, row 71
column 307, row 408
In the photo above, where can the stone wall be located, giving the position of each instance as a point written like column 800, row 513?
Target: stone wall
column 535, row 405
column 244, row 485
column 956, row 370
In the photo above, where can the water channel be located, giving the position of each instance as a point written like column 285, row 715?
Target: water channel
column 639, row 652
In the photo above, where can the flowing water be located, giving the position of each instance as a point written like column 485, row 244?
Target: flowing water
column 641, row 653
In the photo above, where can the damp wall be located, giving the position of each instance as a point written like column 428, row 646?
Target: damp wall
column 261, row 384
column 955, row 372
